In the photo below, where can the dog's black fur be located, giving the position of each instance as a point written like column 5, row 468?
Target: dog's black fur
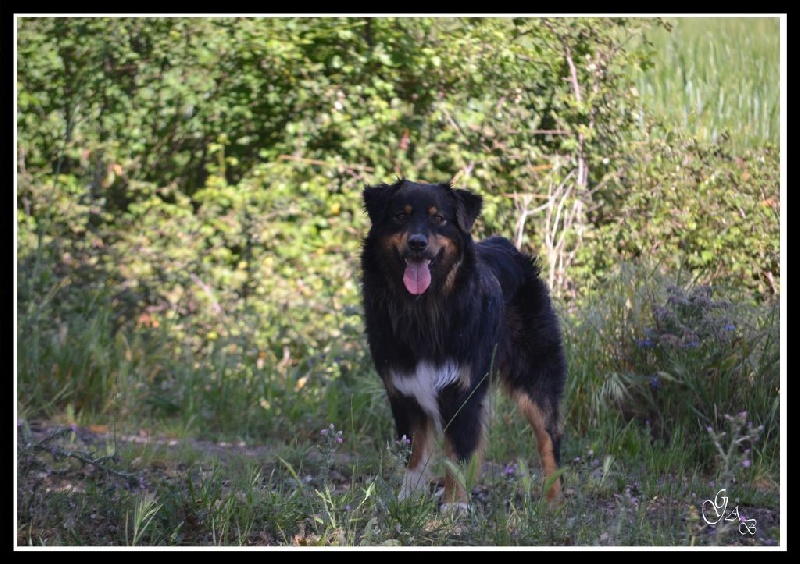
column 444, row 314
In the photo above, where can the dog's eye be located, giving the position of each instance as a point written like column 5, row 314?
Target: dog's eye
column 437, row 218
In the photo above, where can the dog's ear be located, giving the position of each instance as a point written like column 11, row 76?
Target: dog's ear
column 376, row 198
column 468, row 208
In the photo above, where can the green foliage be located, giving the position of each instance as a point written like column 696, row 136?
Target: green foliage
column 675, row 360
column 693, row 207
column 717, row 76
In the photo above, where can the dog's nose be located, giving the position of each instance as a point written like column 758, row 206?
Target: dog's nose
column 417, row 242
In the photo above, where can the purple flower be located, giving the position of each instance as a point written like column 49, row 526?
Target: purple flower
column 655, row 383
column 323, row 432
column 742, row 415
column 746, row 463
column 339, row 440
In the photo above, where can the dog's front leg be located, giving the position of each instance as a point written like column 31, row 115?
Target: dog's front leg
column 464, row 443
column 413, row 424
column 417, row 475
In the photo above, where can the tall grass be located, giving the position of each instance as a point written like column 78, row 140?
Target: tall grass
column 717, row 74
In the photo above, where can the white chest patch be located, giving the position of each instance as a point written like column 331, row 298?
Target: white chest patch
column 424, row 385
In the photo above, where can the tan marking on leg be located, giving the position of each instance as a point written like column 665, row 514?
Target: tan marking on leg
column 536, row 418
column 417, row 474
column 454, row 492
column 421, row 445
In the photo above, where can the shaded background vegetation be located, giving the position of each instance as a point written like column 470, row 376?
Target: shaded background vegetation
column 189, row 216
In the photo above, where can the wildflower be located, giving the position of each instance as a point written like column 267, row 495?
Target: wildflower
column 323, row 432
column 742, row 415
column 730, row 327
column 510, row 470
column 655, row 383
column 746, row 463
column 644, row 343
column 339, row 439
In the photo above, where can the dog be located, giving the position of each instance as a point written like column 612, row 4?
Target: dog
column 443, row 315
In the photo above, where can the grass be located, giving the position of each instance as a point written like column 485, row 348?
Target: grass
column 639, row 460
column 717, row 75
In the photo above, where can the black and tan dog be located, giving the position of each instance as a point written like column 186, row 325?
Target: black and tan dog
column 443, row 315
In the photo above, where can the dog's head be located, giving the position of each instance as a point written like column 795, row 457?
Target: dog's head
column 422, row 230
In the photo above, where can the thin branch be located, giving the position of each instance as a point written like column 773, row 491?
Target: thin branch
column 100, row 462
column 209, row 291
column 348, row 167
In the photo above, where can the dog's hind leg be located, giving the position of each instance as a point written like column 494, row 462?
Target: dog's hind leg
column 544, row 420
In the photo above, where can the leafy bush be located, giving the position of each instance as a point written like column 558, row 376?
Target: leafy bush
column 675, row 360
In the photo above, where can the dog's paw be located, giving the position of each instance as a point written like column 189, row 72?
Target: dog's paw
column 454, row 509
column 414, row 481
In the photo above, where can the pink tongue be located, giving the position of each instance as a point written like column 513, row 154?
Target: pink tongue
column 417, row 276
